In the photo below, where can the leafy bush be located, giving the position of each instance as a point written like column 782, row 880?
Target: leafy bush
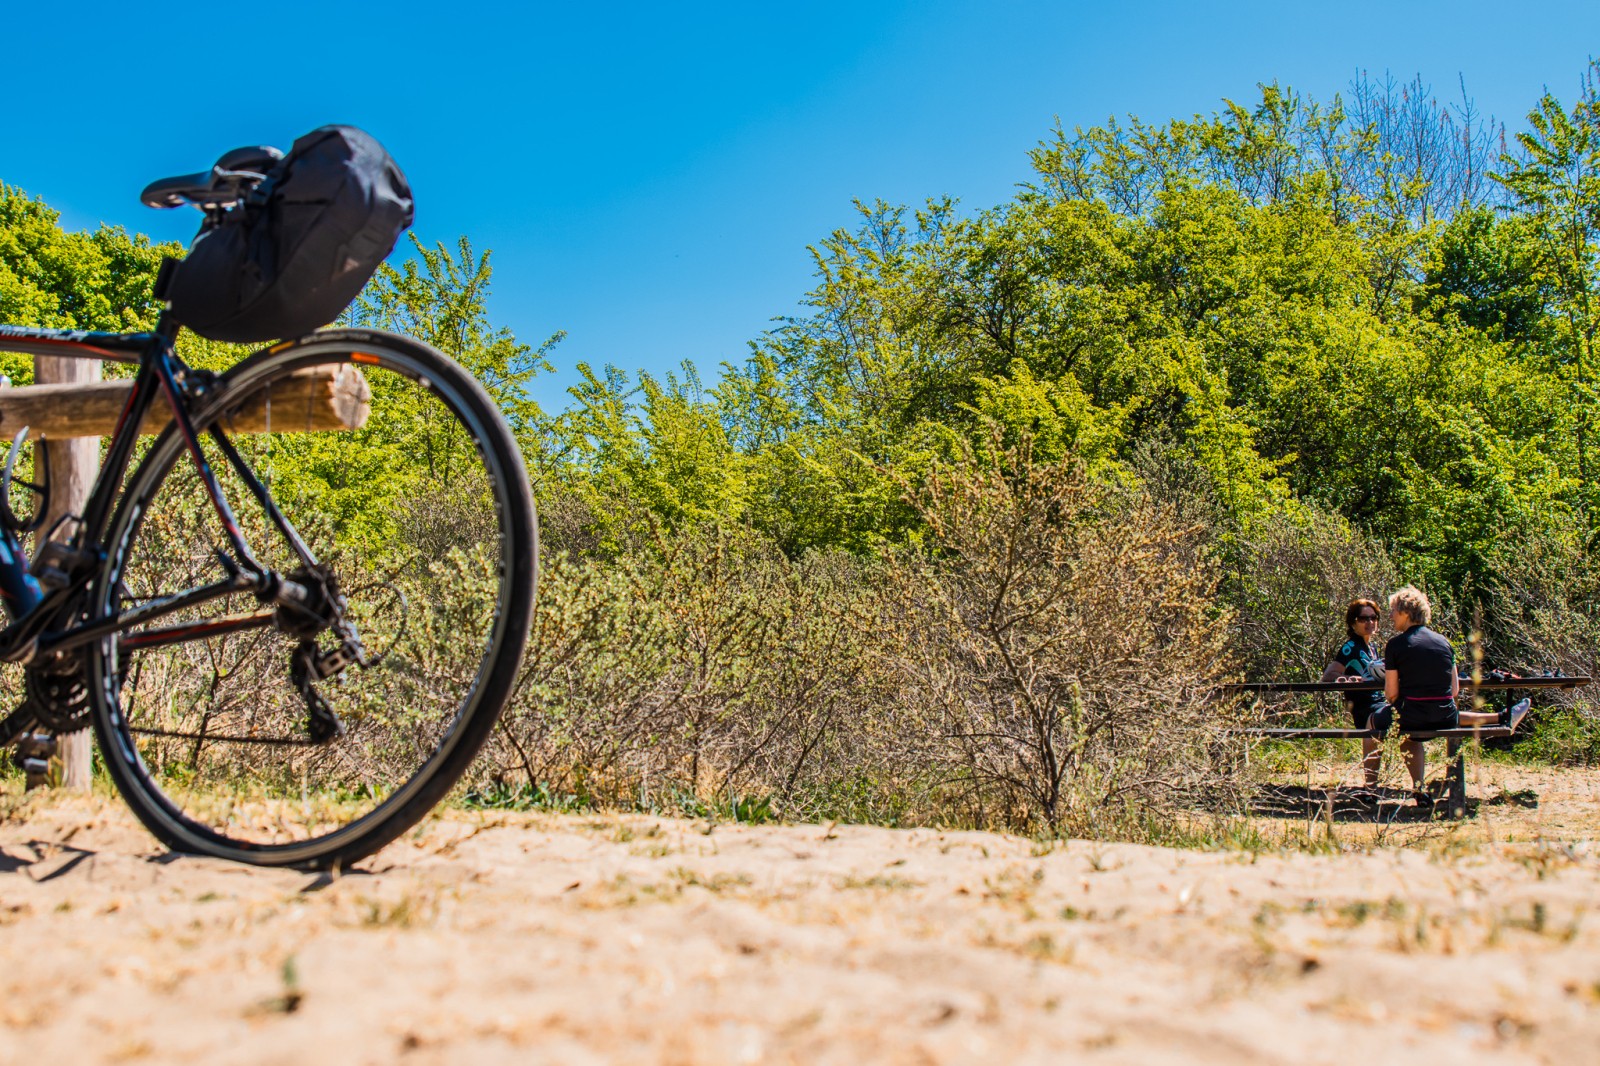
column 1296, row 572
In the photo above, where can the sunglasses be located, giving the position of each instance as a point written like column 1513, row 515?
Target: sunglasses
column 1366, row 618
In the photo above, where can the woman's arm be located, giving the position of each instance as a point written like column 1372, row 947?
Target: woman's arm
column 1391, row 685
column 1332, row 671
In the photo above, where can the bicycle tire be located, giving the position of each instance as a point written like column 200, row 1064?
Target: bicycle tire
column 178, row 810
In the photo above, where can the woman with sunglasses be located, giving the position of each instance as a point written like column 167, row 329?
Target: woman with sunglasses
column 1357, row 660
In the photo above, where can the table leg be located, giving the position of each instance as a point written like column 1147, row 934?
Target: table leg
column 1456, row 786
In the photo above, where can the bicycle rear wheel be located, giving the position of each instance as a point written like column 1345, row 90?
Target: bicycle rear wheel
column 420, row 519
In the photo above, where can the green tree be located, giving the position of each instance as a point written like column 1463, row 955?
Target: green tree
column 1486, row 272
column 659, row 444
column 441, row 296
column 49, row 277
column 1555, row 182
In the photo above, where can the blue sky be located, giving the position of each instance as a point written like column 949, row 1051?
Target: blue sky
column 649, row 175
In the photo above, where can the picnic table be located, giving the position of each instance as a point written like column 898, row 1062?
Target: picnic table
column 1456, row 780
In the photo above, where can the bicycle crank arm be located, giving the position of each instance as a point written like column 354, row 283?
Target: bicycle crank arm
column 15, row 725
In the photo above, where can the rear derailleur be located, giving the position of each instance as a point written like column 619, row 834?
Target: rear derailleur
column 310, row 604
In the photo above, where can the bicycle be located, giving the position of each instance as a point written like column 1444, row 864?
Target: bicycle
column 300, row 677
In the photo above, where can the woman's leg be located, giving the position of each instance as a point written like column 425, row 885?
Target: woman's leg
column 1480, row 718
column 1416, row 762
column 1372, row 747
column 1371, row 759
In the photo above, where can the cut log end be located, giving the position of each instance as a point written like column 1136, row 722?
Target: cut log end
column 315, row 400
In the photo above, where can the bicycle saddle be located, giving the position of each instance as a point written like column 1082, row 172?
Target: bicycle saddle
column 215, row 187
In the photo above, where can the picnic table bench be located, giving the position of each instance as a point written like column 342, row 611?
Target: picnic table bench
column 1455, row 788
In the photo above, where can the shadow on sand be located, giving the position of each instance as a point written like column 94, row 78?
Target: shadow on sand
column 1383, row 805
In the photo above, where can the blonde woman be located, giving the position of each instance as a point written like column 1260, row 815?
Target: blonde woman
column 1420, row 680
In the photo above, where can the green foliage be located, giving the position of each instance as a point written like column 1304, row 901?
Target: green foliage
column 1310, row 304
column 1556, row 184
column 667, row 450
column 1486, row 272
column 441, row 296
column 49, row 277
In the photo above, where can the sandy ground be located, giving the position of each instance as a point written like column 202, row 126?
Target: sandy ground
column 570, row 939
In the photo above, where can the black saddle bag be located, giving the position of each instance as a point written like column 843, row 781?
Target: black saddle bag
column 298, row 249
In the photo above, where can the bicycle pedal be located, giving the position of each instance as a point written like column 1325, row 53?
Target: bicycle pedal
column 33, row 753
column 62, row 554
column 57, row 560
column 53, row 577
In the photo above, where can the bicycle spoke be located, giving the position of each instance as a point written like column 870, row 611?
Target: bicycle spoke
column 280, row 742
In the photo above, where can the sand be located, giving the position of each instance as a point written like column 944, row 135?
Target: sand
column 530, row 938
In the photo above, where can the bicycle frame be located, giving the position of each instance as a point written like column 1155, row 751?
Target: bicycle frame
column 53, row 626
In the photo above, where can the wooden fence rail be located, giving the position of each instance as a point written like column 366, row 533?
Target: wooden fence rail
column 319, row 398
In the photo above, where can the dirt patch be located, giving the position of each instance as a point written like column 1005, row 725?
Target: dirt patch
column 571, row 939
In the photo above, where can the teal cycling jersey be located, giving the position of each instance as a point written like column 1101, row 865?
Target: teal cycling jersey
column 1356, row 657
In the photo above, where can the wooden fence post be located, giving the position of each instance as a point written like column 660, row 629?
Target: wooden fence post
column 73, row 462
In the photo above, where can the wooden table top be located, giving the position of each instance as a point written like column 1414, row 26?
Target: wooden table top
column 1566, row 681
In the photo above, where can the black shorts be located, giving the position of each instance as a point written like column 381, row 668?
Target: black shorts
column 1361, row 710
column 1428, row 714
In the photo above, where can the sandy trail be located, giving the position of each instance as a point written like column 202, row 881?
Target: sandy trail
column 573, row 939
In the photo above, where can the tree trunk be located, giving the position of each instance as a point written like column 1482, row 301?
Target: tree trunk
column 73, row 465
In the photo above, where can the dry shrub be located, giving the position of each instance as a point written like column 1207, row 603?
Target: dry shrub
column 710, row 668
column 1060, row 646
column 1296, row 573
column 1046, row 659
column 590, row 694
column 1043, row 663
column 1047, row 662
column 1544, row 606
